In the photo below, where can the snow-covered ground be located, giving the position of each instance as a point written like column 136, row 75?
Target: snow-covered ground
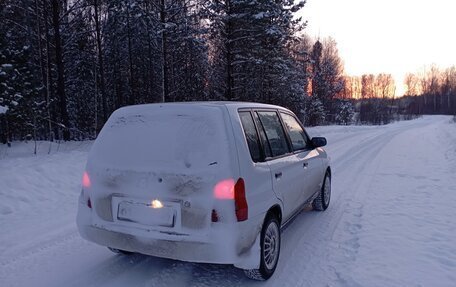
column 391, row 221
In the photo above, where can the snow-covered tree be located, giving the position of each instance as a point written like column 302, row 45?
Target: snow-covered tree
column 251, row 60
column 327, row 80
column 20, row 88
column 80, row 75
column 345, row 112
column 314, row 112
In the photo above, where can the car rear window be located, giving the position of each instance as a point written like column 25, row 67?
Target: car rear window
column 162, row 137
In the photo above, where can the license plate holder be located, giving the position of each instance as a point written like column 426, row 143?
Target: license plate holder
column 144, row 214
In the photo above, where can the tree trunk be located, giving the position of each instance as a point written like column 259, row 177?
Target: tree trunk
column 449, row 102
column 60, row 69
column 435, row 103
column 49, row 83
column 100, row 65
column 229, row 55
column 44, row 81
column 164, row 52
column 131, row 98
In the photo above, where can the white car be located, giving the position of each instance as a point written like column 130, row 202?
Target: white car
column 209, row 182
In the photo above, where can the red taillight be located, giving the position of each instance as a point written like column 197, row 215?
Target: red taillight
column 240, row 201
column 227, row 189
column 86, row 180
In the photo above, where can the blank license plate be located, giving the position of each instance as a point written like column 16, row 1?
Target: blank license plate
column 146, row 215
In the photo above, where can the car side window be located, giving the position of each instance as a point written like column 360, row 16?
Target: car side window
column 251, row 135
column 263, row 138
column 274, row 133
column 297, row 136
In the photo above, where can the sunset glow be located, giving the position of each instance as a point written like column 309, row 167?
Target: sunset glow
column 388, row 36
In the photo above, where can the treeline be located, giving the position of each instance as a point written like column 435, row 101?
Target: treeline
column 65, row 66
column 431, row 91
column 374, row 97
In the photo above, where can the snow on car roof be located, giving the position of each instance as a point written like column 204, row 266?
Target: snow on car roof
column 206, row 104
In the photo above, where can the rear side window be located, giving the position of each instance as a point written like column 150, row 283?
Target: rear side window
column 262, row 134
column 274, row 133
column 297, row 136
column 251, row 135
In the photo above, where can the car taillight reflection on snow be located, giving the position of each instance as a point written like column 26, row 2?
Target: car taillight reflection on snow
column 86, row 180
column 86, row 184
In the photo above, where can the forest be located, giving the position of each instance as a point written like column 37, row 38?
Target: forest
column 66, row 65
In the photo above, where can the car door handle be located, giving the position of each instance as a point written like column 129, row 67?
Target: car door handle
column 278, row 175
column 305, row 164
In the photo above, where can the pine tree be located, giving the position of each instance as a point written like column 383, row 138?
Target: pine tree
column 80, row 75
column 327, row 81
column 345, row 112
column 20, row 87
column 251, row 61
column 315, row 113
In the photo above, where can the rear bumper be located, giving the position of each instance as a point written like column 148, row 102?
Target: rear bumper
column 224, row 244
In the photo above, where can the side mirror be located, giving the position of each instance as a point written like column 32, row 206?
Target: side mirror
column 318, row 141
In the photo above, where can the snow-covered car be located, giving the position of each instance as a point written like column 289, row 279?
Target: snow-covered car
column 211, row 182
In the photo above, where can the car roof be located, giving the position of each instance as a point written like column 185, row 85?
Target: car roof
column 228, row 104
column 231, row 106
column 243, row 104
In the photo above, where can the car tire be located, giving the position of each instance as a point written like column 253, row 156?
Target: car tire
column 118, row 251
column 321, row 202
column 270, row 250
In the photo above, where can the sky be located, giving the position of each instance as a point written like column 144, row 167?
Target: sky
column 388, row 36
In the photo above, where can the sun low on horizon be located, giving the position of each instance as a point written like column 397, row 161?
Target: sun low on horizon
column 393, row 37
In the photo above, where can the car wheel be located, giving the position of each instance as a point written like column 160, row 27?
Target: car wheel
column 322, row 201
column 270, row 250
column 118, row 251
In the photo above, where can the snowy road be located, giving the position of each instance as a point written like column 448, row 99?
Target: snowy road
column 392, row 220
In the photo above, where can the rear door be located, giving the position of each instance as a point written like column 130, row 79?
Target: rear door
column 255, row 170
column 286, row 170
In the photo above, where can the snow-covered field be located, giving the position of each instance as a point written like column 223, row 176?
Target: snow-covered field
column 392, row 219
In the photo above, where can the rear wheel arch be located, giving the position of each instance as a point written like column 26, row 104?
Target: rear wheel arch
column 275, row 211
column 269, row 245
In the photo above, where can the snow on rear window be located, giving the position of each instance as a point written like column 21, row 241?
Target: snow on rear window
column 163, row 139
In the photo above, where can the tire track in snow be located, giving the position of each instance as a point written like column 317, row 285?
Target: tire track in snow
column 348, row 236
column 316, row 231
column 317, row 241
column 35, row 250
column 393, row 189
